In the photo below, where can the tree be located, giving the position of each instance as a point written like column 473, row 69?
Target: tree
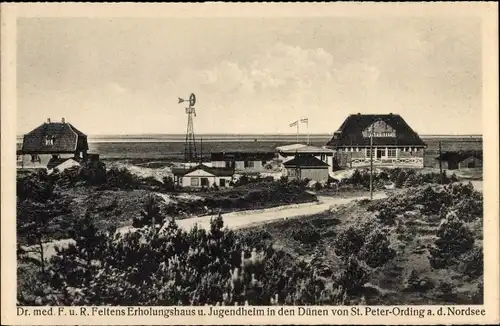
column 150, row 215
column 168, row 184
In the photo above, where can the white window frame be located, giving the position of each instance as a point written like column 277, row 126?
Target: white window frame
column 195, row 182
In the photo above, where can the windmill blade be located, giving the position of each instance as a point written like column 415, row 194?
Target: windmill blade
column 180, row 100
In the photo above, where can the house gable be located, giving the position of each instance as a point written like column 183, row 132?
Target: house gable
column 392, row 131
column 380, row 129
column 199, row 173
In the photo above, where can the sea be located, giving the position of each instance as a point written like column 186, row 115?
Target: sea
column 171, row 146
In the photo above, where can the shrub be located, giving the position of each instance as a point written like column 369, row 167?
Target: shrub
column 376, row 251
column 454, row 239
column 35, row 187
column 174, row 267
column 415, row 283
column 150, row 215
column 306, row 234
column 471, row 263
column 470, row 208
column 348, row 243
column 168, row 184
column 318, row 186
column 387, row 216
column 353, row 278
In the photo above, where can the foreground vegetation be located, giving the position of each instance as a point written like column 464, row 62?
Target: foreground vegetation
column 421, row 246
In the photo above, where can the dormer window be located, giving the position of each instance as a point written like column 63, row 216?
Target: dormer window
column 49, row 140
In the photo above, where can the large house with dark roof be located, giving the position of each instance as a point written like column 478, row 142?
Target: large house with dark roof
column 395, row 143
column 53, row 141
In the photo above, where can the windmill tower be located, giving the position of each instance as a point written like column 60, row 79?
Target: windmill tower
column 190, row 148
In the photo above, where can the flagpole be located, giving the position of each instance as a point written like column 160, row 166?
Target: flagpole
column 307, row 125
column 298, row 131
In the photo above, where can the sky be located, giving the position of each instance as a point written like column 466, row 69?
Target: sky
column 250, row 75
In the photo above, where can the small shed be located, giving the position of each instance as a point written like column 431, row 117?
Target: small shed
column 307, row 167
column 453, row 160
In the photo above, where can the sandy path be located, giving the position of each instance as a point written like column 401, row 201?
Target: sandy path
column 237, row 220
column 241, row 219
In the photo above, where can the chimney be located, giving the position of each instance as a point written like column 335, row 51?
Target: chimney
column 63, row 120
column 48, row 120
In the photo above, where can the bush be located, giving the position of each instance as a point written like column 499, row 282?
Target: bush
column 318, row 186
column 168, row 184
column 348, row 243
column 175, row 267
column 376, row 251
column 454, row 239
column 353, row 278
column 150, row 215
column 471, row 263
column 36, row 187
column 306, row 233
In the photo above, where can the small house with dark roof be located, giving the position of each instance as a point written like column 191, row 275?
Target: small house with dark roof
column 307, row 167
column 202, row 176
column 395, row 143
column 452, row 160
column 288, row 152
column 53, row 141
column 242, row 162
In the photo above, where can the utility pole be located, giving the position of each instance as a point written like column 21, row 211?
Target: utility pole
column 440, row 163
column 371, row 163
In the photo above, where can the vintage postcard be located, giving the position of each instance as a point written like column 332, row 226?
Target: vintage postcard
column 249, row 164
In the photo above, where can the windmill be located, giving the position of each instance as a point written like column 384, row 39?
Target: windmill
column 190, row 148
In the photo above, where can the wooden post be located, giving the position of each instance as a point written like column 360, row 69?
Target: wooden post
column 201, row 150
column 440, row 164
column 371, row 164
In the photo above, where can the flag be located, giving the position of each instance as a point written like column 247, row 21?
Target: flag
column 304, row 120
column 293, row 123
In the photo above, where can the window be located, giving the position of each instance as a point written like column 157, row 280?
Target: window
column 249, row 164
column 49, row 140
column 264, row 163
column 471, row 165
column 391, row 152
column 204, row 182
column 195, row 182
column 368, row 153
column 222, row 182
column 228, row 164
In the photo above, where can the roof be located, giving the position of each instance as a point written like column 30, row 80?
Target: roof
column 301, row 148
column 459, row 156
column 66, row 164
column 67, row 139
column 56, row 162
column 350, row 132
column 242, row 156
column 305, row 161
column 220, row 172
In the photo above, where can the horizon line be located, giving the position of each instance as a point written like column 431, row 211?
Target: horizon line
column 259, row 134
